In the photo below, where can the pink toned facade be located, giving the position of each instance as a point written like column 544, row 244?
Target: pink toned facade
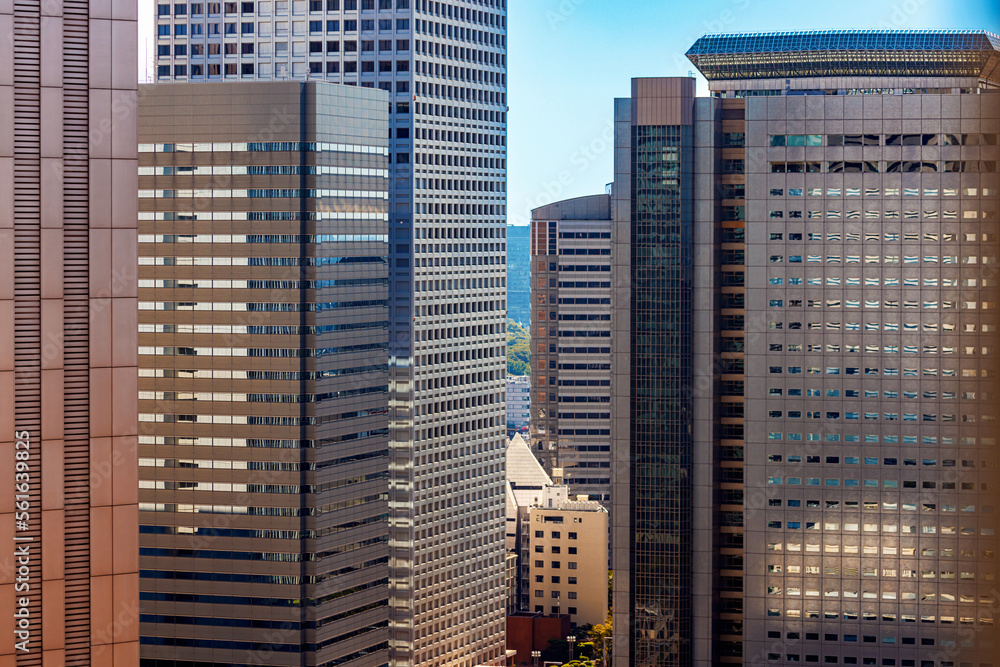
column 68, row 349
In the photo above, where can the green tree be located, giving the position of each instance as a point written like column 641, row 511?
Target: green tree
column 518, row 349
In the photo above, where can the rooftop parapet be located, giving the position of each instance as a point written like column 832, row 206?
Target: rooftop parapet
column 839, row 53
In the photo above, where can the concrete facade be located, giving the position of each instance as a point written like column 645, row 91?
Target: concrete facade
column 569, row 560
column 571, row 342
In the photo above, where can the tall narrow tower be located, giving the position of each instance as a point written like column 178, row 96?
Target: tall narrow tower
column 68, row 507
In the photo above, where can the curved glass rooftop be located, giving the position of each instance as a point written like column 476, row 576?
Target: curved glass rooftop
column 890, row 53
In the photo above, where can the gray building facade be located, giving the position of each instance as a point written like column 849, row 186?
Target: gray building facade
column 571, row 342
column 444, row 66
column 841, row 387
column 264, row 372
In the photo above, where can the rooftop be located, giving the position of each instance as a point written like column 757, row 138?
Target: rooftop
column 821, row 53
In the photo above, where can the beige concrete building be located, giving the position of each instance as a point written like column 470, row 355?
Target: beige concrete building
column 569, row 558
column 562, row 544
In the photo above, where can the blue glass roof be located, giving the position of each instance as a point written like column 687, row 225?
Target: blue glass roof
column 972, row 53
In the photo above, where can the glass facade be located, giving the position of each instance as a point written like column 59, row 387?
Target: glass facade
column 263, row 377
column 660, row 412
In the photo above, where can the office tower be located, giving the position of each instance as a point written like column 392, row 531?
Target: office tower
column 518, row 274
column 518, row 401
column 69, row 571
column 263, row 380
column 571, row 346
column 804, row 348
column 444, row 66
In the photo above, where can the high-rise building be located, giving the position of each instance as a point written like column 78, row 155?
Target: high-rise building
column 571, row 342
column 69, row 570
column 804, row 377
column 444, row 66
column 264, row 372
column 518, row 274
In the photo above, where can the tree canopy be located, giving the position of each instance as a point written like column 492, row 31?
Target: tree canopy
column 518, row 349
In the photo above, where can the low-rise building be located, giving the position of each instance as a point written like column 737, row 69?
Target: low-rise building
column 569, row 559
column 561, row 542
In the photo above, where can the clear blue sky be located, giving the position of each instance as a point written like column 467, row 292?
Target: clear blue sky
column 568, row 59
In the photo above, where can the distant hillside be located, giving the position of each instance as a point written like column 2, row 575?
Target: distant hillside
column 518, row 349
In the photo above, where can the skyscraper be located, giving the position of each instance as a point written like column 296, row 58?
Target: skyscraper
column 444, row 66
column 69, row 570
column 263, row 347
column 571, row 341
column 804, row 373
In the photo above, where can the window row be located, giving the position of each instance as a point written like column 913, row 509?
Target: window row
column 967, row 260
column 875, row 303
column 874, row 460
column 849, row 594
column 555, row 564
column 875, row 371
column 869, row 326
column 834, row 482
column 879, row 236
column 876, row 192
column 540, row 549
column 875, row 393
column 555, row 595
column 875, row 281
column 887, row 528
column 876, row 349
column 868, row 549
column 557, row 535
column 882, row 167
column 280, row 7
column 886, row 505
column 875, row 214
column 927, row 139
column 966, row 441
